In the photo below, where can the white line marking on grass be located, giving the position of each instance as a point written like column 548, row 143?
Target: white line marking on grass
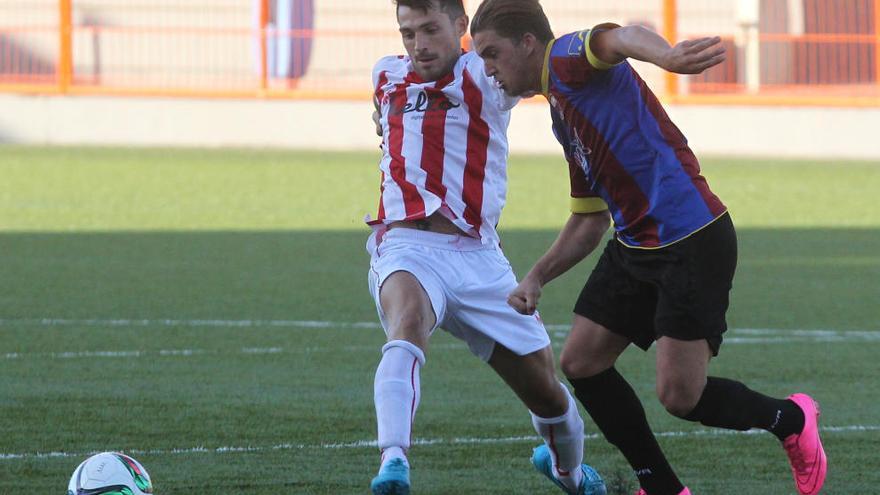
column 736, row 336
column 262, row 350
column 314, row 324
column 360, row 444
column 71, row 355
column 131, row 354
column 201, row 352
column 180, row 352
column 306, row 324
column 95, row 322
column 186, row 353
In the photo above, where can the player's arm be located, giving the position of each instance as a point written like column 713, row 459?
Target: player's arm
column 377, row 117
column 613, row 45
column 578, row 238
column 384, row 65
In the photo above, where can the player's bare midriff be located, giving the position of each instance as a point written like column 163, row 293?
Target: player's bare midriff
column 433, row 223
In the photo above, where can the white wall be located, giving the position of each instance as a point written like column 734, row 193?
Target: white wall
column 802, row 132
column 833, row 133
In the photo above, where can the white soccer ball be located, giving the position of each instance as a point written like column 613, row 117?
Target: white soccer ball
column 110, row 473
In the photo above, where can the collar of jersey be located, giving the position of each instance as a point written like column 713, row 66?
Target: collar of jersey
column 413, row 77
column 545, row 71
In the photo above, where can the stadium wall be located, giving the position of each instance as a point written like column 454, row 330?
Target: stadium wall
column 814, row 132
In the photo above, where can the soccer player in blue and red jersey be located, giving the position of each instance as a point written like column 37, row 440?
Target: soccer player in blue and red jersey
column 667, row 273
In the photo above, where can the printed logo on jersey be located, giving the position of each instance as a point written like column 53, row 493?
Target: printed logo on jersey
column 425, row 103
column 580, row 152
column 576, row 43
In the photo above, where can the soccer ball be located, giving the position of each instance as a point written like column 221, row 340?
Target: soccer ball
column 110, row 473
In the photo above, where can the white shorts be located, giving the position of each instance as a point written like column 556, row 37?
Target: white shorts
column 467, row 282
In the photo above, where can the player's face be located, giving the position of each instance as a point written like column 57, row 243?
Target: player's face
column 432, row 40
column 507, row 62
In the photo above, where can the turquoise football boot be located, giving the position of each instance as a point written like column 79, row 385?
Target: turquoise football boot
column 393, row 479
column 592, row 483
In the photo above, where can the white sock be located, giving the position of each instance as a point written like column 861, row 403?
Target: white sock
column 393, row 453
column 396, row 393
column 564, row 435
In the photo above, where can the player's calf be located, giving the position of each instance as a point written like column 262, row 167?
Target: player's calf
column 396, row 395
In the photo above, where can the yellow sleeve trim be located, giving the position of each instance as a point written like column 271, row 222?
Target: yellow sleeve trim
column 545, row 72
column 588, row 205
column 591, row 57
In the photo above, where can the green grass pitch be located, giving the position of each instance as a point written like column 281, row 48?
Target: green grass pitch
column 207, row 312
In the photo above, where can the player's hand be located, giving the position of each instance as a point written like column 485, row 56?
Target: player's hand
column 694, row 56
column 376, row 119
column 524, row 299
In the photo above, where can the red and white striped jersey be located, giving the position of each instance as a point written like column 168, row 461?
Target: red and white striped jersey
column 444, row 145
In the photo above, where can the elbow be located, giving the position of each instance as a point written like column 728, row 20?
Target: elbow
column 602, row 226
column 627, row 39
column 598, row 225
column 592, row 226
column 602, row 222
column 632, row 34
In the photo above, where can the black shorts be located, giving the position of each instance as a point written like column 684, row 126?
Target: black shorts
column 679, row 291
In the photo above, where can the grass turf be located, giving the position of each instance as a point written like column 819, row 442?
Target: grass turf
column 235, row 235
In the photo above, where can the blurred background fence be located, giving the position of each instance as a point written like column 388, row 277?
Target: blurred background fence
column 792, row 52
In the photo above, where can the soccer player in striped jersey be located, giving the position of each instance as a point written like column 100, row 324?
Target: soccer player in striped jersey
column 667, row 273
column 435, row 254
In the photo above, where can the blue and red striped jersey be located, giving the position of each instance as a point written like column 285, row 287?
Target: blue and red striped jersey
column 624, row 152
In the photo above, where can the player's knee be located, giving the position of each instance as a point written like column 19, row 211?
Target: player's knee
column 412, row 326
column 582, row 364
column 411, row 320
column 551, row 402
column 572, row 365
column 549, row 398
column 679, row 397
column 549, row 410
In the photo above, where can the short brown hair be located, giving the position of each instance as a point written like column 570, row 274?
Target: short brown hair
column 512, row 19
column 453, row 8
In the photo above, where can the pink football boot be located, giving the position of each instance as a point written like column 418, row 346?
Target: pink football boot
column 683, row 492
column 808, row 462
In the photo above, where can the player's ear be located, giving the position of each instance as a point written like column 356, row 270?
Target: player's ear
column 529, row 43
column 461, row 25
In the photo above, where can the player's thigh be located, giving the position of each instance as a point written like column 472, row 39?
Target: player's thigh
column 408, row 292
column 590, row 348
column 614, row 300
column 480, row 314
column 407, row 307
column 516, row 346
column 682, row 366
column 694, row 291
column 533, row 378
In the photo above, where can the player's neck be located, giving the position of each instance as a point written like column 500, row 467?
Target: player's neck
column 535, row 67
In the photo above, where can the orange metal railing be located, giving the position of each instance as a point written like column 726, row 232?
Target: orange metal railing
column 65, row 54
column 782, row 52
column 670, row 32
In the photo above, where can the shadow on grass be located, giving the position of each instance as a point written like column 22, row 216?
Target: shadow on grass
column 787, row 278
column 308, row 395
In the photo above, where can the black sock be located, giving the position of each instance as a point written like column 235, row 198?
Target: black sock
column 730, row 404
column 616, row 410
